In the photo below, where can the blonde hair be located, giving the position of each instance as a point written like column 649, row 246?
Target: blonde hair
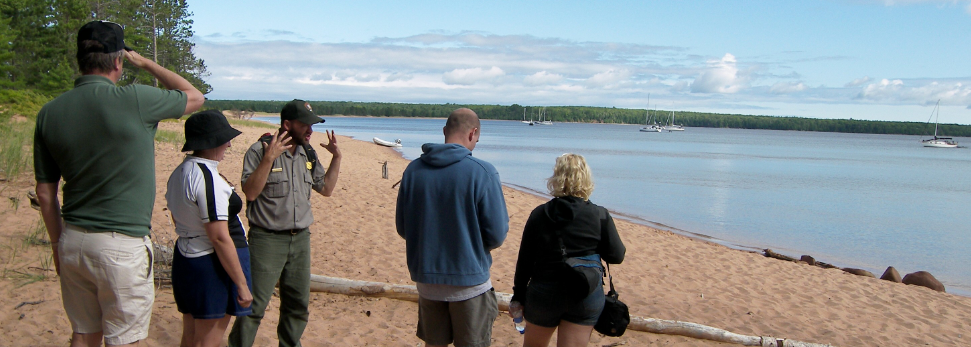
column 571, row 177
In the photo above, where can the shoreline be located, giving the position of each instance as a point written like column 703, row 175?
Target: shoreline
column 699, row 236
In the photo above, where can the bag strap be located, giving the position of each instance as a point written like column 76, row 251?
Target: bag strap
column 311, row 157
column 559, row 238
column 610, row 276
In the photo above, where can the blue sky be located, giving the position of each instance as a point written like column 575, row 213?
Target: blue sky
column 881, row 60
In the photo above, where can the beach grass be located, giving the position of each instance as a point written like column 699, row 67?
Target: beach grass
column 16, row 139
column 252, row 123
column 169, row 136
column 18, row 110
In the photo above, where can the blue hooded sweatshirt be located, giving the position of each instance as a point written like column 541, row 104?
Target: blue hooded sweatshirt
column 451, row 213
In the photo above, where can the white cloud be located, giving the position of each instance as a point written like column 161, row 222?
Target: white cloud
column 859, row 81
column 397, row 76
column 881, row 90
column 607, row 78
column 787, row 87
column 720, row 77
column 542, row 78
column 953, row 93
column 472, row 76
column 507, row 69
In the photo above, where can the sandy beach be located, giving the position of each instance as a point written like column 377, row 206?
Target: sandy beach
column 665, row 275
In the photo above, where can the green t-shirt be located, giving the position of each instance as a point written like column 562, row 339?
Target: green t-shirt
column 101, row 139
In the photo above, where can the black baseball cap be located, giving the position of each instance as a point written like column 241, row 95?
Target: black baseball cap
column 300, row 110
column 110, row 35
column 207, row 129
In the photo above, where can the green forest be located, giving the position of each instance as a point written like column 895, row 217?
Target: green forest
column 586, row 114
column 38, row 40
column 38, row 57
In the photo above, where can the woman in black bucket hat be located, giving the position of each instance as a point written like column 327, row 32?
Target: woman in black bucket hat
column 210, row 268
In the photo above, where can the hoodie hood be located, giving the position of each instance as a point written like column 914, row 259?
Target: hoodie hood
column 443, row 154
column 564, row 209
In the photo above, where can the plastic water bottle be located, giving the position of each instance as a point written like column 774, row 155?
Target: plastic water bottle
column 516, row 311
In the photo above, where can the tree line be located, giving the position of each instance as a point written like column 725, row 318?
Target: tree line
column 586, row 114
column 38, row 40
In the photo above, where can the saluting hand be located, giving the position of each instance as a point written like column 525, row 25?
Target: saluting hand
column 331, row 145
column 136, row 59
column 278, row 144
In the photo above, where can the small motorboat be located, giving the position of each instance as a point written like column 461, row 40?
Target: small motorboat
column 396, row 143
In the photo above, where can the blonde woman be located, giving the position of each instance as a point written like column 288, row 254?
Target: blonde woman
column 569, row 225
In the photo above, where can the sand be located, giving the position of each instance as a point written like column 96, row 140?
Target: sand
column 665, row 276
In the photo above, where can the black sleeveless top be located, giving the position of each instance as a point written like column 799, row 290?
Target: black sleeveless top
column 235, row 227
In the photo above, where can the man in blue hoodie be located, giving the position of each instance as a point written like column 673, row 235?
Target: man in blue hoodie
column 451, row 213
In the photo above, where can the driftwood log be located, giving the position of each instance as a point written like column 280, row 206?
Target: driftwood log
column 345, row 286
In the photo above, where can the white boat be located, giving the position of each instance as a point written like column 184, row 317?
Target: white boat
column 542, row 112
column 648, row 127
column 396, row 143
column 938, row 142
column 674, row 127
column 530, row 122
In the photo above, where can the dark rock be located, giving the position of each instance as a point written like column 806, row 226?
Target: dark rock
column 891, row 275
column 923, row 279
column 859, row 272
column 809, row 260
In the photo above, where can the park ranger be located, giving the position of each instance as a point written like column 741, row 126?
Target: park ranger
column 280, row 171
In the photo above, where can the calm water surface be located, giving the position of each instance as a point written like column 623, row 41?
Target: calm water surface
column 854, row 200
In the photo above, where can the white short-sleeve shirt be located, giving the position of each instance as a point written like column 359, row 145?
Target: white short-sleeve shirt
column 196, row 195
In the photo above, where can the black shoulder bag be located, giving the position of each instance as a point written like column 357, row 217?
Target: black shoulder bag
column 615, row 316
column 582, row 276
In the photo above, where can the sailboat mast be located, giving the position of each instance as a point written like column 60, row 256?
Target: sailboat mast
column 647, row 118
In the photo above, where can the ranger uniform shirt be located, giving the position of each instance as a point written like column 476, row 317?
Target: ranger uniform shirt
column 284, row 202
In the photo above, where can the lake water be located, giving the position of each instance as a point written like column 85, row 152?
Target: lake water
column 852, row 200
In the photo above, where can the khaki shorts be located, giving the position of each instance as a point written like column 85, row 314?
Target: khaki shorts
column 468, row 323
column 106, row 283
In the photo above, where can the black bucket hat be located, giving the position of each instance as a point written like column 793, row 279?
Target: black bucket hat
column 207, row 129
column 300, row 110
column 110, row 35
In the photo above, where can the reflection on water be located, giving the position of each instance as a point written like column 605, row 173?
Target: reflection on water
column 858, row 200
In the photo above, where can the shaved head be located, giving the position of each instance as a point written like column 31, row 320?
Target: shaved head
column 460, row 121
column 462, row 127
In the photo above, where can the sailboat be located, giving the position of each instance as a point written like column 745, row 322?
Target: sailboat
column 938, row 142
column 530, row 122
column 650, row 128
column 673, row 127
column 542, row 113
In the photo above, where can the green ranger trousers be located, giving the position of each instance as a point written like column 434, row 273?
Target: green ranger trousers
column 284, row 257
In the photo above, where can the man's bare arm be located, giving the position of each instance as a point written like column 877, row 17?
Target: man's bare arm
column 169, row 79
column 50, row 210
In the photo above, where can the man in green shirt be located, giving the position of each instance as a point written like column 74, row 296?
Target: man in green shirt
column 100, row 138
